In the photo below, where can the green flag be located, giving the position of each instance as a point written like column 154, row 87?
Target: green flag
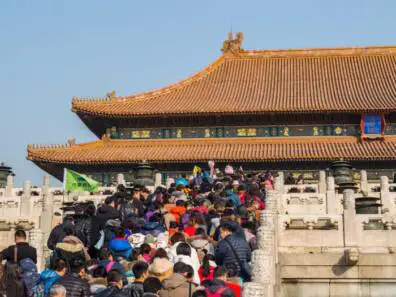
column 77, row 182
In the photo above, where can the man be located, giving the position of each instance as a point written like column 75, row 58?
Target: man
column 232, row 249
column 24, row 250
column 73, row 281
column 152, row 287
column 140, row 271
column 15, row 280
column 219, row 284
column 133, row 206
column 180, row 283
column 106, row 212
column 57, row 291
column 114, row 286
column 59, row 232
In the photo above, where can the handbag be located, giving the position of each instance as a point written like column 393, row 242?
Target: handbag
column 100, row 242
column 246, row 270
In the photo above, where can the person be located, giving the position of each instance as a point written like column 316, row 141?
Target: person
column 180, row 283
column 140, row 271
column 57, row 291
column 24, row 250
column 84, row 224
column 232, row 249
column 59, row 232
column 175, row 240
column 206, row 271
column 49, row 276
column 183, row 252
column 120, row 246
column 161, row 269
column 73, row 281
column 133, row 206
column 108, row 262
column 152, row 286
column 98, row 281
column 20, row 272
column 219, row 284
column 114, row 286
column 104, row 213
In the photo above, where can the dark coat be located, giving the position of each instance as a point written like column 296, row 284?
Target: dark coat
column 83, row 230
column 217, row 285
column 226, row 257
column 57, row 234
column 133, row 208
column 24, row 250
column 113, row 291
column 136, row 289
column 75, row 286
column 98, row 222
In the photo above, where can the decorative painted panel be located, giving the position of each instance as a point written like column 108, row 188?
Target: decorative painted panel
column 253, row 131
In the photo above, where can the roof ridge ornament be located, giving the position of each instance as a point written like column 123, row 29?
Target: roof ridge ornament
column 233, row 44
column 111, row 95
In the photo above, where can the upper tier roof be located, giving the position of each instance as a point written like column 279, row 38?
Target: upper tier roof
column 251, row 81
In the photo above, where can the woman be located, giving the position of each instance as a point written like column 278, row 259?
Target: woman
column 207, row 269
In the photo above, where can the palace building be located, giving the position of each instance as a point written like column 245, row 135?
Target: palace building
column 260, row 109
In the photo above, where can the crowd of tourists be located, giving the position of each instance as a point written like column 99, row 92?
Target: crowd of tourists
column 194, row 238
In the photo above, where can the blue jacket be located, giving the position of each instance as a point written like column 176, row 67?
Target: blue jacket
column 226, row 257
column 48, row 277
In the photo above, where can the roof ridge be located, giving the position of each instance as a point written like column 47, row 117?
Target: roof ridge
column 320, row 51
column 150, row 94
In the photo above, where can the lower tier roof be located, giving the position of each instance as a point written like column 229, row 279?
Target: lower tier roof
column 319, row 148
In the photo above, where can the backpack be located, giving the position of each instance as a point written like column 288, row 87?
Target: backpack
column 37, row 291
column 29, row 276
column 11, row 281
column 218, row 293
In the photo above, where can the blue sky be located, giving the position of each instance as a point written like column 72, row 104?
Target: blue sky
column 51, row 51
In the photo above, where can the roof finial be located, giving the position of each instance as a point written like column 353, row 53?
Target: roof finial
column 111, row 95
column 234, row 43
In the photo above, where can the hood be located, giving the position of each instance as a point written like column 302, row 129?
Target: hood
column 118, row 245
column 176, row 280
column 183, row 258
column 72, row 240
column 48, row 274
column 98, row 281
column 199, row 243
column 70, row 247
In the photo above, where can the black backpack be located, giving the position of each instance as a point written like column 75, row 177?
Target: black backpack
column 11, row 281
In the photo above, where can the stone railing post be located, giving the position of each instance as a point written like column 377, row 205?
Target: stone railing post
column 120, row 179
column 264, row 259
column 331, row 199
column 350, row 226
column 386, row 200
column 279, row 182
column 363, row 182
column 322, row 182
column 36, row 241
column 158, row 179
column 26, row 199
column 46, row 214
column 9, row 186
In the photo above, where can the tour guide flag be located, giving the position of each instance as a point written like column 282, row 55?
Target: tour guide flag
column 77, row 182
